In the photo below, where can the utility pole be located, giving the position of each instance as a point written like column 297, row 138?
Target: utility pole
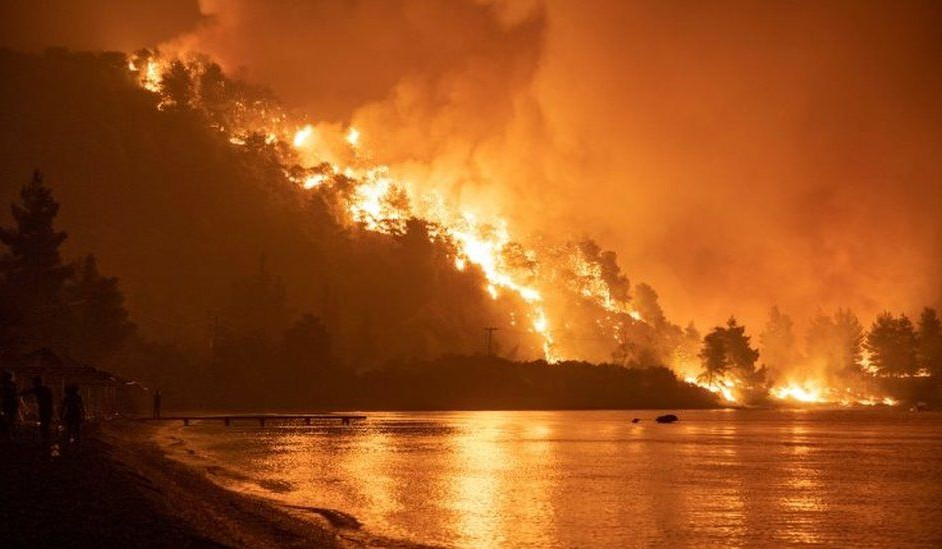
column 490, row 336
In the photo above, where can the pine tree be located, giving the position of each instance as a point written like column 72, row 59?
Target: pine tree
column 727, row 352
column 742, row 357
column 778, row 341
column 836, row 342
column 713, row 355
column 849, row 336
column 100, row 323
column 891, row 343
column 177, row 85
column 33, row 275
column 929, row 342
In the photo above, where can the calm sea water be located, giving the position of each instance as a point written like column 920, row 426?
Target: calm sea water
column 594, row 479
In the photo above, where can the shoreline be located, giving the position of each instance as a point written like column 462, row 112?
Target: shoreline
column 119, row 488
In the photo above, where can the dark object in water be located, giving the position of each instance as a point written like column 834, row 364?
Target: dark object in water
column 636, row 420
column 668, row 418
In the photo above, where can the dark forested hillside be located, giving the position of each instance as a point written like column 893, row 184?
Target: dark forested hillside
column 183, row 218
column 247, row 291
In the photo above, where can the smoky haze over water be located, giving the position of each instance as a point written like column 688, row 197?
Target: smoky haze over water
column 733, row 155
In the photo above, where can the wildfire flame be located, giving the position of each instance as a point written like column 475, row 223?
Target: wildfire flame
column 382, row 203
column 302, row 135
column 353, row 137
column 379, row 202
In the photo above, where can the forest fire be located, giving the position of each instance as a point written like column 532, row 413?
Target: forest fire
column 382, row 204
column 814, row 393
column 724, row 388
column 531, row 273
column 547, row 280
column 799, row 393
column 150, row 76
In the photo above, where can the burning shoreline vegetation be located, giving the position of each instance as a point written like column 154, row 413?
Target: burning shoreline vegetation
column 564, row 300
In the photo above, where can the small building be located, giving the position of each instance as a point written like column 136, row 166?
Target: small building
column 99, row 389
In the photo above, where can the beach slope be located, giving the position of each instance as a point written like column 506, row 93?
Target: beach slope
column 118, row 489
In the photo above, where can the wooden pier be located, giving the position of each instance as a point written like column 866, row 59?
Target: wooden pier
column 262, row 419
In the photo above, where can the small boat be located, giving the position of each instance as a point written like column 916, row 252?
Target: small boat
column 667, row 418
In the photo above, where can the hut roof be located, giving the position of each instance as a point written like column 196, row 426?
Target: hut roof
column 47, row 363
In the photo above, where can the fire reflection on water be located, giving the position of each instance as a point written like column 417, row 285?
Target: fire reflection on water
column 801, row 497
column 481, row 464
column 594, row 478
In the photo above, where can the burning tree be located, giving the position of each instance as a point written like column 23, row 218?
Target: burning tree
column 836, row 342
column 728, row 359
column 777, row 340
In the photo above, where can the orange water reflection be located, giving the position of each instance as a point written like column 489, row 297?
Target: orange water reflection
column 595, row 479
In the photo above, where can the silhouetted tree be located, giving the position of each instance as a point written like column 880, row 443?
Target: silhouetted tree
column 929, row 342
column 742, row 357
column 609, row 271
column 177, row 85
column 891, row 343
column 849, row 333
column 713, row 356
column 100, row 323
column 214, row 96
column 836, row 342
column 688, row 348
column 778, row 341
column 32, row 271
column 727, row 352
column 647, row 305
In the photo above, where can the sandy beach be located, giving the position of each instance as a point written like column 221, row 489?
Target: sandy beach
column 118, row 489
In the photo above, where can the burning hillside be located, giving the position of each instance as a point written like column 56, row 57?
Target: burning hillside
column 538, row 280
column 562, row 299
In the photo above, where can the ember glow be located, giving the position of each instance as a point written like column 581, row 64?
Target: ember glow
column 150, row 73
column 380, row 202
column 302, row 135
column 799, row 393
column 462, row 273
column 545, row 279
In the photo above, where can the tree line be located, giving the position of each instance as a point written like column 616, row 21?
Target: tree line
column 265, row 354
column 45, row 301
column 893, row 346
column 836, row 347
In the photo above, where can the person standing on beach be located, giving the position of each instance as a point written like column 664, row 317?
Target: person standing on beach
column 9, row 405
column 73, row 414
column 44, row 404
column 157, row 399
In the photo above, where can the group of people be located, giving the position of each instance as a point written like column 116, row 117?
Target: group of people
column 71, row 412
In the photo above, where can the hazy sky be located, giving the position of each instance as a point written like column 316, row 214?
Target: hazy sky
column 734, row 154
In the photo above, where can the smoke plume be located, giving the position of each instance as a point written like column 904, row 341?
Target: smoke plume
column 733, row 155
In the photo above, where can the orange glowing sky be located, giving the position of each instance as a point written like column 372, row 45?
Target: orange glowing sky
column 734, row 154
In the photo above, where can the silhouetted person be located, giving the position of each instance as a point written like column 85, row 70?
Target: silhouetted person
column 9, row 405
column 157, row 399
column 44, row 404
column 72, row 414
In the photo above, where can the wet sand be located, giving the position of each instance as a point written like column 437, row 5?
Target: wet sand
column 118, row 489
